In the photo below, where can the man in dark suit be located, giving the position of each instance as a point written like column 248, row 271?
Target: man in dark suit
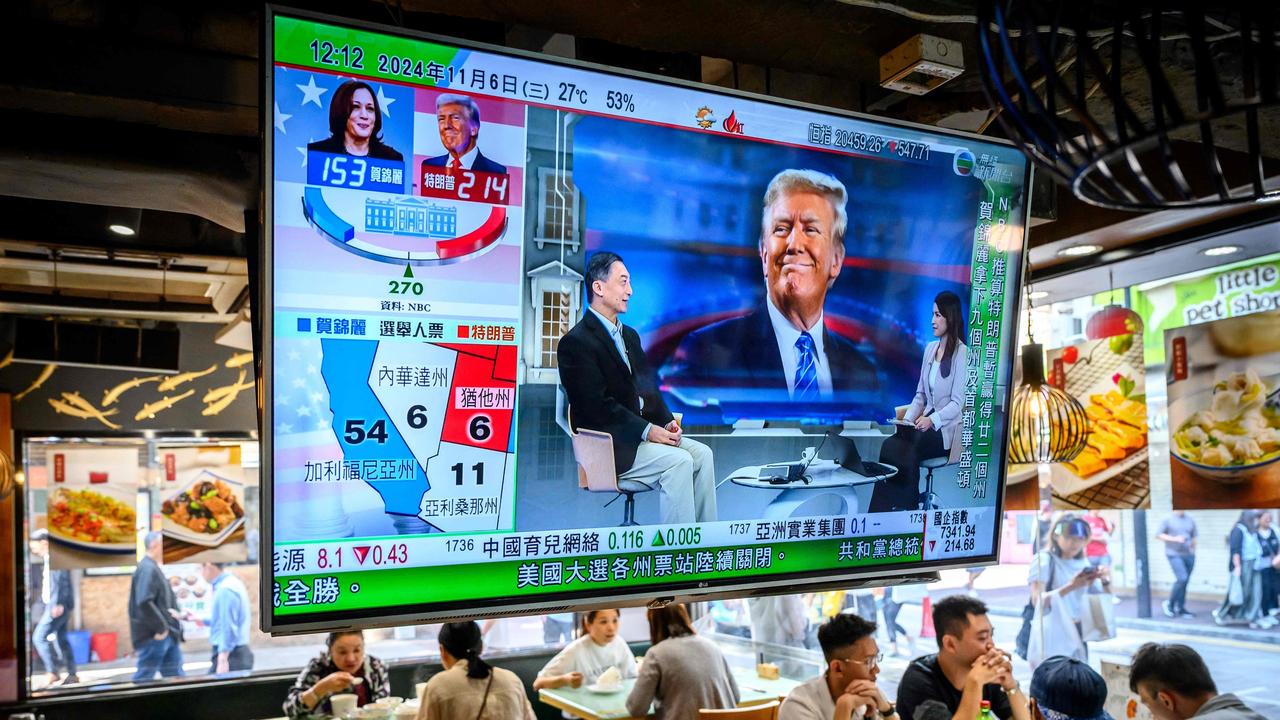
column 459, row 119
column 53, row 621
column 611, row 388
column 783, row 344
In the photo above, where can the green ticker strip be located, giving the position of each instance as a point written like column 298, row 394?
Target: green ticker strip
column 349, row 51
column 448, row 583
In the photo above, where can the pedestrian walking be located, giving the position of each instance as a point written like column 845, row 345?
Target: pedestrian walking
column 1178, row 533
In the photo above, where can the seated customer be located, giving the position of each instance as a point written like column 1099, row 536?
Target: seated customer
column 847, row 689
column 682, row 673
column 584, row 659
column 1064, row 688
column 470, row 688
column 968, row 668
column 1174, row 683
column 335, row 671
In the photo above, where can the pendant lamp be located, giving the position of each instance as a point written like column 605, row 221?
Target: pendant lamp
column 1046, row 425
column 1111, row 321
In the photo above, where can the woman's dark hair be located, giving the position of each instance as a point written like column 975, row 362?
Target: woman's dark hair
column 340, row 110
column 949, row 308
column 463, row 641
column 590, row 617
column 669, row 622
column 333, row 637
column 1072, row 526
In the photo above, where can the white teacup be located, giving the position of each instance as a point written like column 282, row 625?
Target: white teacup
column 418, row 689
column 343, row 703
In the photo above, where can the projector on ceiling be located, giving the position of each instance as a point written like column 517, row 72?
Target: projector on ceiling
column 921, row 64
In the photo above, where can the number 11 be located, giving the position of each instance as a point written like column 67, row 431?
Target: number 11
column 478, row 469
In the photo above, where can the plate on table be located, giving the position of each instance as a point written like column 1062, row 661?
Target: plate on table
column 593, row 687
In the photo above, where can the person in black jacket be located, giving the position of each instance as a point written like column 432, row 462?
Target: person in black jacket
column 53, row 621
column 611, row 388
column 153, row 616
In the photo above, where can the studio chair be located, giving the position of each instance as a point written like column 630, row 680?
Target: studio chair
column 928, row 498
column 593, row 451
column 767, row 711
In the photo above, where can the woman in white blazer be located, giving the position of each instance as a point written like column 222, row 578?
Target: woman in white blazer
column 934, row 412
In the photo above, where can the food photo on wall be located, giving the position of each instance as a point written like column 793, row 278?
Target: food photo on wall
column 1107, row 376
column 92, row 515
column 1224, row 412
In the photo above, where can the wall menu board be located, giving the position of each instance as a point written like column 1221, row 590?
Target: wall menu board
column 433, row 210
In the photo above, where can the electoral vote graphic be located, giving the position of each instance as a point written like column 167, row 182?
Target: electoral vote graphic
column 395, row 353
column 447, row 202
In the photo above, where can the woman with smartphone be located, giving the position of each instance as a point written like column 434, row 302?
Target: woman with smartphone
column 1060, row 578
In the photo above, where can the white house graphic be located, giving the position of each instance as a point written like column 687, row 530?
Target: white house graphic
column 411, row 216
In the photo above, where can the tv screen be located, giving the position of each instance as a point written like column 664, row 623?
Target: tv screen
column 541, row 335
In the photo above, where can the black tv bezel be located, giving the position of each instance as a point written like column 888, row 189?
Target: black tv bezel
column 412, row 613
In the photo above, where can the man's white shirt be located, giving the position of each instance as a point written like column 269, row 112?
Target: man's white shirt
column 468, row 159
column 812, row 701
column 786, row 335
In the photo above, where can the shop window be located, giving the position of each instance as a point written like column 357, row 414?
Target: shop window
column 148, row 474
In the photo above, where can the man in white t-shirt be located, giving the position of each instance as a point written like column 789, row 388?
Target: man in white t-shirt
column 847, row 689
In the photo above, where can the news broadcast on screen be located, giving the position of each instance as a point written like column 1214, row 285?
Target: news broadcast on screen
column 542, row 334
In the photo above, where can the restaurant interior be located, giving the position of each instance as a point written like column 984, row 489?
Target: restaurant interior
column 134, row 191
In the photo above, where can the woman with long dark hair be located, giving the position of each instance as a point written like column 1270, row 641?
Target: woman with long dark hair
column 470, row 688
column 682, row 672
column 931, row 420
column 355, row 124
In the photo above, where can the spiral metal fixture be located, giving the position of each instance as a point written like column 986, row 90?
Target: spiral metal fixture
column 1046, row 425
column 1130, row 103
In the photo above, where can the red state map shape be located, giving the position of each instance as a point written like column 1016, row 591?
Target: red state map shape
column 481, row 366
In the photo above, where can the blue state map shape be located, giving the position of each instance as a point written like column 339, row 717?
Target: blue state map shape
column 345, row 366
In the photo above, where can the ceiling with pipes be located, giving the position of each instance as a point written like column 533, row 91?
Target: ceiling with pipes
column 147, row 114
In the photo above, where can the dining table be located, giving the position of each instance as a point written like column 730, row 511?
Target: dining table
column 589, row 704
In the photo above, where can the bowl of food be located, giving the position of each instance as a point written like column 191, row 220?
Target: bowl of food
column 91, row 520
column 1227, row 432
column 206, row 511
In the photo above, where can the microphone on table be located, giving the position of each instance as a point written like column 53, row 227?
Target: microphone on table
column 931, row 710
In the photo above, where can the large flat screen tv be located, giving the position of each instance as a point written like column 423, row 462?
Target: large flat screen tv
column 542, row 335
